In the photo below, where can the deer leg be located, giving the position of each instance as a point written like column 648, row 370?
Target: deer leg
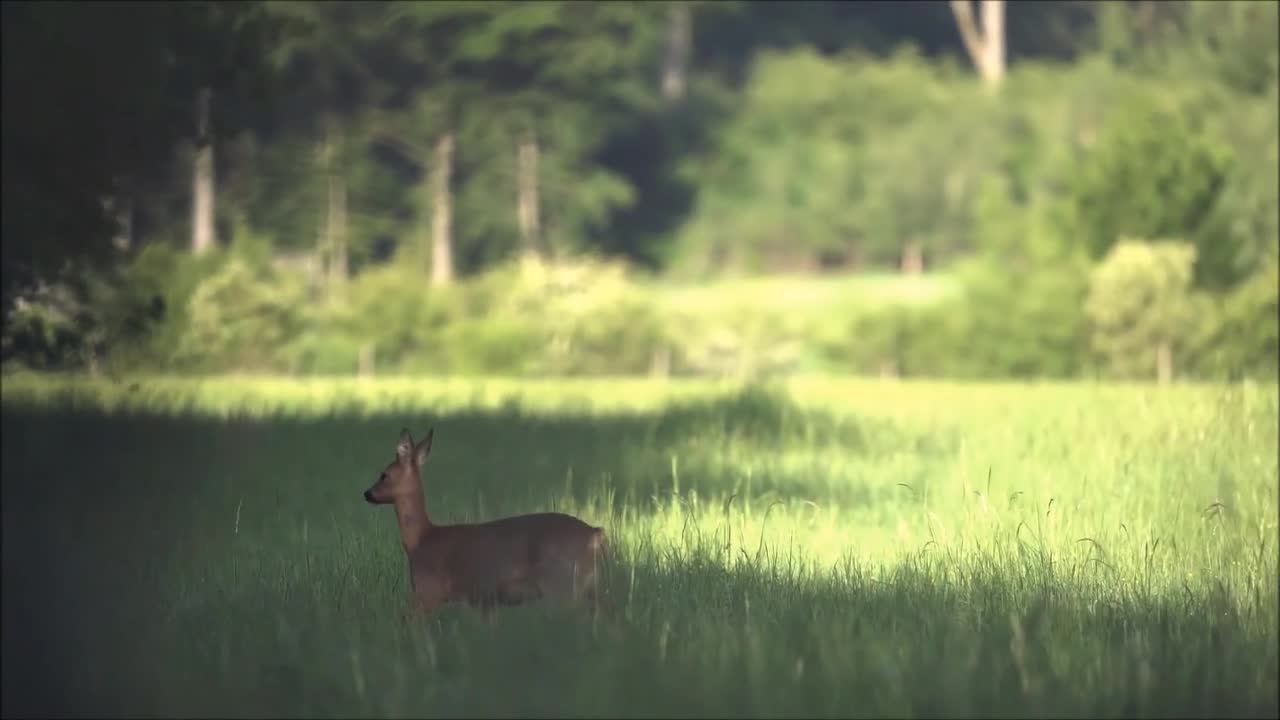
column 487, row 611
column 426, row 599
column 487, row 603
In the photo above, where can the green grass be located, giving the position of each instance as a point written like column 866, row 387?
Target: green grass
column 820, row 548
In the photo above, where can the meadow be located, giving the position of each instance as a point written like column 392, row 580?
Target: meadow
column 817, row 547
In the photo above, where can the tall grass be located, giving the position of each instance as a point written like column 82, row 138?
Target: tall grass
column 820, row 548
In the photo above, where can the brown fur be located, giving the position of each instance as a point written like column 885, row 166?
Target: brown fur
column 501, row 562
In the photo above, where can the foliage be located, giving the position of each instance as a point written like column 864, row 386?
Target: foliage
column 238, row 316
column 841, row 157
column 825, row 140
column 1140, row 299
column 1152, row 176
column 1241, row 337
column 1230, row 44
column 45, row 330
column 1023, row 322
column 522, row 319
column 58, row 166
column 591, row 319
column 1002, row 323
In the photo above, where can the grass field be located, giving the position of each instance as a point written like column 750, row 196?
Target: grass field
column 818, row 548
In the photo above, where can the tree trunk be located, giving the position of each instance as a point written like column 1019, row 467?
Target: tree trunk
column 660, row 365
column 888, row 369
column 91, row 357
column 527, row 191
column 124, row 221
column 1164, row 363
column 333, row 235
column 120, row 206
column 855, row 258
column 319, row 267
column 441, row 220
column 994, row 36
column 337, row 228
column 679, row 45
column 202, row 238
column 912, row 259
column 985, row 47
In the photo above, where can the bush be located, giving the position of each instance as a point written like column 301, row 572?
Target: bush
column 1141, row 308
column 239, row 318
column 46, row 329
column 1241, row 337
column 123, row 317
column 892, row 339
column 527, row 318
column 1006, row 323
column 393, row 309
column 1152, row 175
column 738, row 341
column 590, row 318
column 1022, row 322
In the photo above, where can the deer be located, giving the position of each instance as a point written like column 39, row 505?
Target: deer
column 510, row 561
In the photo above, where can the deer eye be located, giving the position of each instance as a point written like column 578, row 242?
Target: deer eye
column 382, row 477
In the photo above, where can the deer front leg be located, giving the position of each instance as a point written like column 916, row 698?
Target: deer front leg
column 427, row 597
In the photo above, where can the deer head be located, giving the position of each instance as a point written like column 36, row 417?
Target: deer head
column 403, row 477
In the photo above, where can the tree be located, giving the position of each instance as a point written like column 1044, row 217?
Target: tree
column 442, row 212
column 223, row 58
column 527, row 92
column 675, row 66
column 985, row 46
column 134, row 68
column 431, row 100
column 1151, row 175
column 1141, row 307
column 202, row 192
column 862, row 162
column 328, row 64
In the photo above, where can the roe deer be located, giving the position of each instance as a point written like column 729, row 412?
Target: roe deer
column 501, row 562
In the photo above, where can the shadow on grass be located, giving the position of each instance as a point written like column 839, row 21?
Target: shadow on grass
column 688, row 636
column 176, row 565
column 91, row 457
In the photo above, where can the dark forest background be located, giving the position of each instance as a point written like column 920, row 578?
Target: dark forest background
column 945, row 189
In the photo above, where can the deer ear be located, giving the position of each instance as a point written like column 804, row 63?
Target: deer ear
column 424, row 447
column 405, row 447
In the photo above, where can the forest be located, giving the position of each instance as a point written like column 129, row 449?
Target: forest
column 910, row 359
column 929, row 189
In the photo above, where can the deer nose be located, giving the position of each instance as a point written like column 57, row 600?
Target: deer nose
column 368, row 495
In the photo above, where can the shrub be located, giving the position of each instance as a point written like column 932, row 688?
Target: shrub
column 1141, row 308
column 1152, row 175
column 590, row 318
column 1241, row 337
column 239, row 317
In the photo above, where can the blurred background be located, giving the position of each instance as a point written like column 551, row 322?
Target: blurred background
column 1053, row 189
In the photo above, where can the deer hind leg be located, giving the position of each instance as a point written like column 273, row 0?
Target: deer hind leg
column 487, row 607
column 567, row 574
column 590, row 567
column 506, row 595
column 569, row 582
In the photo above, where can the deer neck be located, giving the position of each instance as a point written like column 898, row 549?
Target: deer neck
column 411, row 514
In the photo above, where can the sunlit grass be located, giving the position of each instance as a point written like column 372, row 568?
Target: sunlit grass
column 861, row 549
column 221, row 396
